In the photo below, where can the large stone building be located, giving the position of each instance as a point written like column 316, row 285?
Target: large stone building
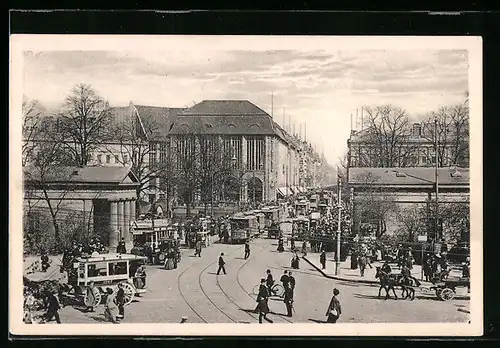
column 268, row 162
column 411, row 148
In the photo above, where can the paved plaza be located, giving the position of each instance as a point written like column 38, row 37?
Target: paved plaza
column 196, row 291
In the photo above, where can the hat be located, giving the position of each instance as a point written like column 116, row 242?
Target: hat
column 336, row 291
column 262, row 280
column 109, row 290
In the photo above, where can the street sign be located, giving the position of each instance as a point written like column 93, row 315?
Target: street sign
column 422, row 238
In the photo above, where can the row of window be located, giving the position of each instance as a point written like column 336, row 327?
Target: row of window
column 112, row 158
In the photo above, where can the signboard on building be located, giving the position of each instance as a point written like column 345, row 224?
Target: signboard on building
column 422, row 239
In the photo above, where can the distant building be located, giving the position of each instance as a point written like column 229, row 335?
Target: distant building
column 367, row 148
column 380, row 195
column 267, row 158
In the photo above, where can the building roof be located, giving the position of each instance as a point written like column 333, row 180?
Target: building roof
column 225, row 107
column 407, row 176
column 84, row 175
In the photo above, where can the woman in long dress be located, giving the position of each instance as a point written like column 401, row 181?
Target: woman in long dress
column 334, row 309
column 111, row 312
column 91, row 297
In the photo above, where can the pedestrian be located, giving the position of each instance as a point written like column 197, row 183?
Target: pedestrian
column 197, row 248
column 247, row 250
column 295, row 261
column 304, row 248
column 334, row 309
column 288, row 301
column 44, row 261
column 292, row 244
column 285, row 280
column 184, row 320
column 291, row 282
column 121, row 249
column 362, row 264
column 91, row 297
column 428, row 269
column 120, row 301
column 280, row 245
column 269, row 282
column 53, row 306
column 322, row 259
column 262, row 301
column 221, row 264
column 140, row 277
column 111, row 312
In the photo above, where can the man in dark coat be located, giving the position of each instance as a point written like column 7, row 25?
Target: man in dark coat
column 280, row 245
column 285, row 280
column 247, row 250
column 121, row 249
column 262, row 301
column 120, row 301
column 386, row 268
column 291, row 282
column 221, row 264
column 53, row 307
column 322, row 259
column 269, row 282
column 45, row 261
column 288, row 301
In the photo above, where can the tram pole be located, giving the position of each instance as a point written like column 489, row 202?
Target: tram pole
column 339, row 186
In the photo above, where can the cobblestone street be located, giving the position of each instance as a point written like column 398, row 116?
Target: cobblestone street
column 196, row 291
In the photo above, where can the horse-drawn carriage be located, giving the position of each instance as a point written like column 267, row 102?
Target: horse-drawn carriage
column 105, row 270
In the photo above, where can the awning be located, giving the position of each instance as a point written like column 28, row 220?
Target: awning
column 283, row 191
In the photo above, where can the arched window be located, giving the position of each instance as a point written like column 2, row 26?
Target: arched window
column 254, row 126
column 231, row 126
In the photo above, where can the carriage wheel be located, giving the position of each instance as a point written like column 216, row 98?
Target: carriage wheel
column 256, row 289
column 447, row 294
column 129, row 293
column 438, row 293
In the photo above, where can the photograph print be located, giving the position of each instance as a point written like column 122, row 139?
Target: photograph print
column 246, row 180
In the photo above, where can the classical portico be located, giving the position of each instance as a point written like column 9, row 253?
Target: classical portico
column 105, row 195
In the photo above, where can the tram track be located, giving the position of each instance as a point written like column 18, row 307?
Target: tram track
column 246, row 292
column 202, row 290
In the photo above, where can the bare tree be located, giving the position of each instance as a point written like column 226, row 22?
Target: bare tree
column 85, row 121
column 452, row 132
column 138, row 147
column 373, row 204
column 411, row 218
column 44, row 168
column 32, row 118
column 387, row 137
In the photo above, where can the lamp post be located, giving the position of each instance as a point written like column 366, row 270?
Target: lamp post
column 436, row 179
column 337, row 263
column 234, row 161
column 436, row 183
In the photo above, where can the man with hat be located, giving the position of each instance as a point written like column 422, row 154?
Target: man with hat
column 262, row 300
column 184, row 319
column 221, row 264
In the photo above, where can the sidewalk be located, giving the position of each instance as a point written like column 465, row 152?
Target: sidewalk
column 353, row 275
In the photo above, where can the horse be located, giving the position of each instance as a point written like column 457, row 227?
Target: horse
column 387, row 282
column 408, row 285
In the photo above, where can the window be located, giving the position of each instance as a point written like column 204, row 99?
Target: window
column 424, row 160
column 125, row 159
column 97, row 269
column 100, row 158
column 208, row 125
column 108, row 158
column 117, row 268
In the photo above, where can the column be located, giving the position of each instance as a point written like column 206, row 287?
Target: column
column 120, row 219
column 126, row 221
column 132, row 210
column 244, row 154
column 113, row 224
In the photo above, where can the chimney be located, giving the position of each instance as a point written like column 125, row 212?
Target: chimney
column 417, row 130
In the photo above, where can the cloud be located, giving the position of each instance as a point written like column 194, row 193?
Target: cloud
column 319, row 87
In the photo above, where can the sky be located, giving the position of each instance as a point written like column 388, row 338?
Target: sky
column 317, row 87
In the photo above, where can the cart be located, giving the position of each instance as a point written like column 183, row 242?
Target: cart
column 105, row 271
column 446, row 289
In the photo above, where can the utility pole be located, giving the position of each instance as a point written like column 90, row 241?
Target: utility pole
column 339, row 188
column 436, row 179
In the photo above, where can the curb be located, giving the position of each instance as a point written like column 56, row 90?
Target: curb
column 363, row 281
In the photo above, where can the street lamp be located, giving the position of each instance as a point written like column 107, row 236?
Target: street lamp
column 436, row 183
